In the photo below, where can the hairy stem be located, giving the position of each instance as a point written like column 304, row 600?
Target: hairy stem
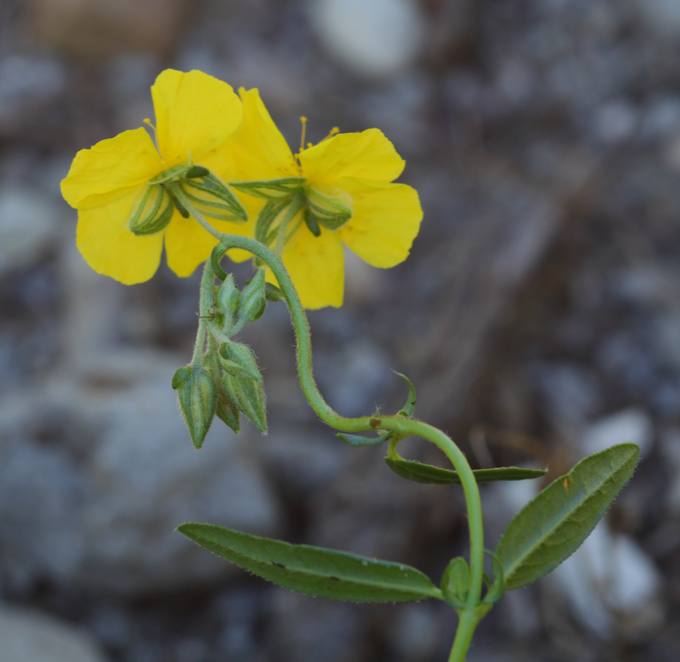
column 400, row 425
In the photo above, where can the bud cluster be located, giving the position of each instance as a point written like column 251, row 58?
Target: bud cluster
column 223, row 378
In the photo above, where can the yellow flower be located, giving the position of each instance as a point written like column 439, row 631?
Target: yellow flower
column 122, row 187
column 339, row 192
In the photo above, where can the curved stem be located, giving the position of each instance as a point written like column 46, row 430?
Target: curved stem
column 400, row 425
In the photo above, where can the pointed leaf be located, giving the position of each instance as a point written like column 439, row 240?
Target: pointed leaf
column 455, row 582
column 428, row 473
column 555, row 523
column 315, row 571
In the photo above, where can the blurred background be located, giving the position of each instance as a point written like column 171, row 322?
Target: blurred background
column 539, row 316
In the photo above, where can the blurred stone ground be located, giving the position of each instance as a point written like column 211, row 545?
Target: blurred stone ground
column 539, row 316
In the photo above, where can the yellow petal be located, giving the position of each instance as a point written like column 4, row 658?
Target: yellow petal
column 110, row 248
column 257, row 149
column 107, row 169
column 366, row 155
column 385, row 221
column 187, row 244
column 316, row 265
column 195, row 113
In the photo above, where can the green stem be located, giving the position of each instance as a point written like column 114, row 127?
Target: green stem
column 205, row 306
column 467, row 624
column 400, row 425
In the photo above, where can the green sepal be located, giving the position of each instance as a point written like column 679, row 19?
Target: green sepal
column 455, row 582
column 315, row 571
column 228, row 413
column 324, row 210
column 312, row 223
column 216, row 256
column 241, row 382
column 197, row 398
column 249, row 396
column 240, row 355
column 152, row 213
column 273, row 293
column 273, row 189
column 196, row 171
column 173, row 174
column 175, row 194
column 228, row 298
column 266, row 218
column 213, row 198
column 420, row 472
column 553, row 525
column 253, row 299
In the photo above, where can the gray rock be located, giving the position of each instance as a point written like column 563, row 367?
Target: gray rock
column 28, row 226
column 315, row 629
column 663, row 16
column 95, row 504
column 377, row 39
column 28, row 635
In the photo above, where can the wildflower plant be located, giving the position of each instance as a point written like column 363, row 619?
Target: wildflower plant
column 220, row 182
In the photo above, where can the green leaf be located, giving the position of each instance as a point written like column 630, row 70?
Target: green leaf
column 427, row 473
column 410, row 405
column 315, row 571
column 555, row 523
column 455, row 582
column 495, row 587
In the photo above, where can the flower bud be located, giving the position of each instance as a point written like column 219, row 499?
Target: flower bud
column 197, row 398
column 249, row 396
column 239, row 359
column 253, row 299
column 228, row 298
column 241, row 382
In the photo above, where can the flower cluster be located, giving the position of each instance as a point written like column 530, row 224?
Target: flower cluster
column 135, row 194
